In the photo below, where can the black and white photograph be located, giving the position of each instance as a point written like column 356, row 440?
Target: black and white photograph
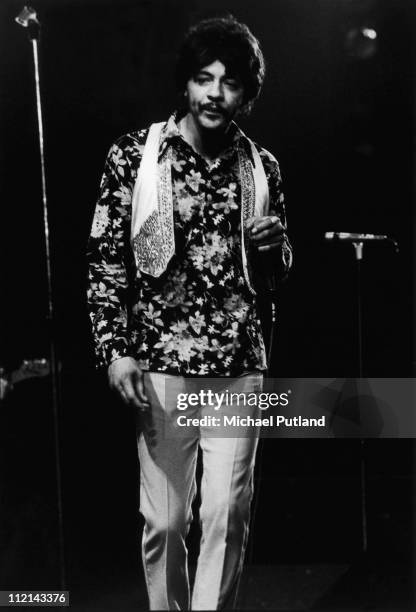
column 207, row 337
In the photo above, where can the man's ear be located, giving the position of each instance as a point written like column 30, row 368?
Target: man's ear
column 245, row 108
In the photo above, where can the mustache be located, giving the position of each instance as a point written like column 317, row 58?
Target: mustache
column 213, row 108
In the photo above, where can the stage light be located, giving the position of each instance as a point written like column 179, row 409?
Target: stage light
column 361, row 43
column 369, row 33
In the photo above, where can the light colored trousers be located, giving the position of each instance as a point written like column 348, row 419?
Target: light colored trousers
column 167, row 489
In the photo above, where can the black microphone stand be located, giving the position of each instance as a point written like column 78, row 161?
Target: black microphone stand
column 358, row 249
column 28, row 18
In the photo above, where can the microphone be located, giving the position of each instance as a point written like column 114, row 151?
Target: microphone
column 28, row 19
column 26, row 15
column 350, row 237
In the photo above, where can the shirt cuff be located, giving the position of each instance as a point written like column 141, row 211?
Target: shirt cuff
column 111, row 351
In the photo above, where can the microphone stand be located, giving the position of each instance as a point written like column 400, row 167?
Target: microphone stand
column 358, row 249
column 358, row 245
column 357, row 241
column 363, row 566
column 27, row 18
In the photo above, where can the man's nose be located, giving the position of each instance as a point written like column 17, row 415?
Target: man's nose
column 215, row 91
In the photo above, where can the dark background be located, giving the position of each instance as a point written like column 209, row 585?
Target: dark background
column 339, row 116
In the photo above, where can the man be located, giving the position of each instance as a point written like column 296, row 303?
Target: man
column 190, row 215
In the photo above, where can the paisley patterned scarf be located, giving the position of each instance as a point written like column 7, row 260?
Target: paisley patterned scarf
column 152, row 227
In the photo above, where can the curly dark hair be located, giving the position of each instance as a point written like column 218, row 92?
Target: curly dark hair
column 227, row 40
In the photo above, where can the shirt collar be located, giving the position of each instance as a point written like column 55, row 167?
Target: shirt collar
column 170, row 133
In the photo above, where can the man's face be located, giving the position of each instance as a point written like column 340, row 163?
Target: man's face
column 214, row 97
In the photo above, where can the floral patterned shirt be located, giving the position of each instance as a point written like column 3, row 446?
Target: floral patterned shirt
column 199, row 317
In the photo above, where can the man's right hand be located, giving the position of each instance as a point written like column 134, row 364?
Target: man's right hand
column 126, row 378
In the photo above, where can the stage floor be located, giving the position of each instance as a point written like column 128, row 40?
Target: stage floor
column 285, row 588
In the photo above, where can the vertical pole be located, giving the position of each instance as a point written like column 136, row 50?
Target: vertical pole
column 358, row 246
column 51, row 326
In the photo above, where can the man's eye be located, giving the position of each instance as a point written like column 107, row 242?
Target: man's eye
column 201, row 80
column 232, row 84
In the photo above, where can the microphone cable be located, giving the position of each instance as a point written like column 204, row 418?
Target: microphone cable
column 259, row 454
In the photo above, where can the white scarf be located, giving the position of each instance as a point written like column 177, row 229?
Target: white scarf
column 152, row 226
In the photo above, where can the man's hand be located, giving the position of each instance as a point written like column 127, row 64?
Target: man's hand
column 126, row 378
column 266, row 232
